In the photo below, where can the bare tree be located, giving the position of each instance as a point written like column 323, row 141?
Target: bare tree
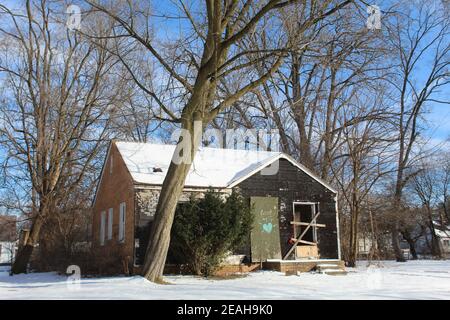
column 418, row 34
column 199, row 61
column 363, row 159
column 443, row 187
column 424, row 186
column 54, row 118
column 325, row 68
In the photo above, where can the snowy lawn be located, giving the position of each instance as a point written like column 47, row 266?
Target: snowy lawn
column 390, row 280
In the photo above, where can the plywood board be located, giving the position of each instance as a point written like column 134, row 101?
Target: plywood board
column 265, row 235
column 307, row 252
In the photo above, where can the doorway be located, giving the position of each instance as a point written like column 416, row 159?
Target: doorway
column 305, row 226
column 304, row 213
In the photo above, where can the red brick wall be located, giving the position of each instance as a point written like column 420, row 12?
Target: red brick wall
column 115, row 187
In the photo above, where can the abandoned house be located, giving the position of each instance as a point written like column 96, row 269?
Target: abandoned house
column 296, row 222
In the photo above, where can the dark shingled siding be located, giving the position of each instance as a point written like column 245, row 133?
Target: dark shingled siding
column 291, row 184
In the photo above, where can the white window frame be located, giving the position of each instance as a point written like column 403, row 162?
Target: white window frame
column 102, row 227
column 110, row 224
column 122, row 219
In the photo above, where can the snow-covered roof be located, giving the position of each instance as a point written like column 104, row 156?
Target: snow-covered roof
column 212, row 167
column 442, row 231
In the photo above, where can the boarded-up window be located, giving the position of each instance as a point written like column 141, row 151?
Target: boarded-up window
column 110, row 223
column 122, row 217
column 102, row 227
column 265, row 235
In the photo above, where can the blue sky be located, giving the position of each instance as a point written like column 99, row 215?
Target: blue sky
column 438, row 117
column 439, row 122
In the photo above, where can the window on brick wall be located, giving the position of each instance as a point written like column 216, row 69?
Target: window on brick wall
column 102, row 227
column 111, row 164
column 122, row 217
column 110, row 224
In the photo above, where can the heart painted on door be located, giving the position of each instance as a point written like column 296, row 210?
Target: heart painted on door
column 267, row 227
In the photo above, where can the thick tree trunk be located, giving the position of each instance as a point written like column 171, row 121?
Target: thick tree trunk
column 26, row 249
column 161, row 226
column 412, row 248
column 159, row 240
column 22, row 258
column 396, row 244
column 395, row 230
column 411, row 243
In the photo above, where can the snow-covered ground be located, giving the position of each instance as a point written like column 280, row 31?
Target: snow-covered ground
column 390, row 280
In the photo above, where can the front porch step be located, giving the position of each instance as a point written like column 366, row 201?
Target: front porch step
column 328, row 266
column 331, row 269
column 333, row 272
column 297, row 266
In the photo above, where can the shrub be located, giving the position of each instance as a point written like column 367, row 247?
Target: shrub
column 206, row 229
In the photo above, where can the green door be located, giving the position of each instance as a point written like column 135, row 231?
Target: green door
column 265, row 235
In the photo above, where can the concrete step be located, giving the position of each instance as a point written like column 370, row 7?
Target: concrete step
column 328, row 266
column 333, row 272
column 331, row 269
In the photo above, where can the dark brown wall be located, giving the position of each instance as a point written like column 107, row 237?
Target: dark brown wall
column 115, row 188
column 292, row 184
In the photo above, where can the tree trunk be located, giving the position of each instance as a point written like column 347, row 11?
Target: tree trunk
column 159, row 239
column 298, row 108
column 327, row 135
column 411, row 243
column 396, row 244
column 353, row 235
column 412, row 248
column 24, row 253
column 395, row 230
column 160, row 232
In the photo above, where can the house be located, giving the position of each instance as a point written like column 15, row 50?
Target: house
column 443, row 234
column 423, row 245
column 366, row 245
column 8, row 239
column 295, row 211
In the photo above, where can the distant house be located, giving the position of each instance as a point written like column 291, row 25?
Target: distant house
column 295, row 211
column 443, row 235
column 366, row 245
column 8, row 238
